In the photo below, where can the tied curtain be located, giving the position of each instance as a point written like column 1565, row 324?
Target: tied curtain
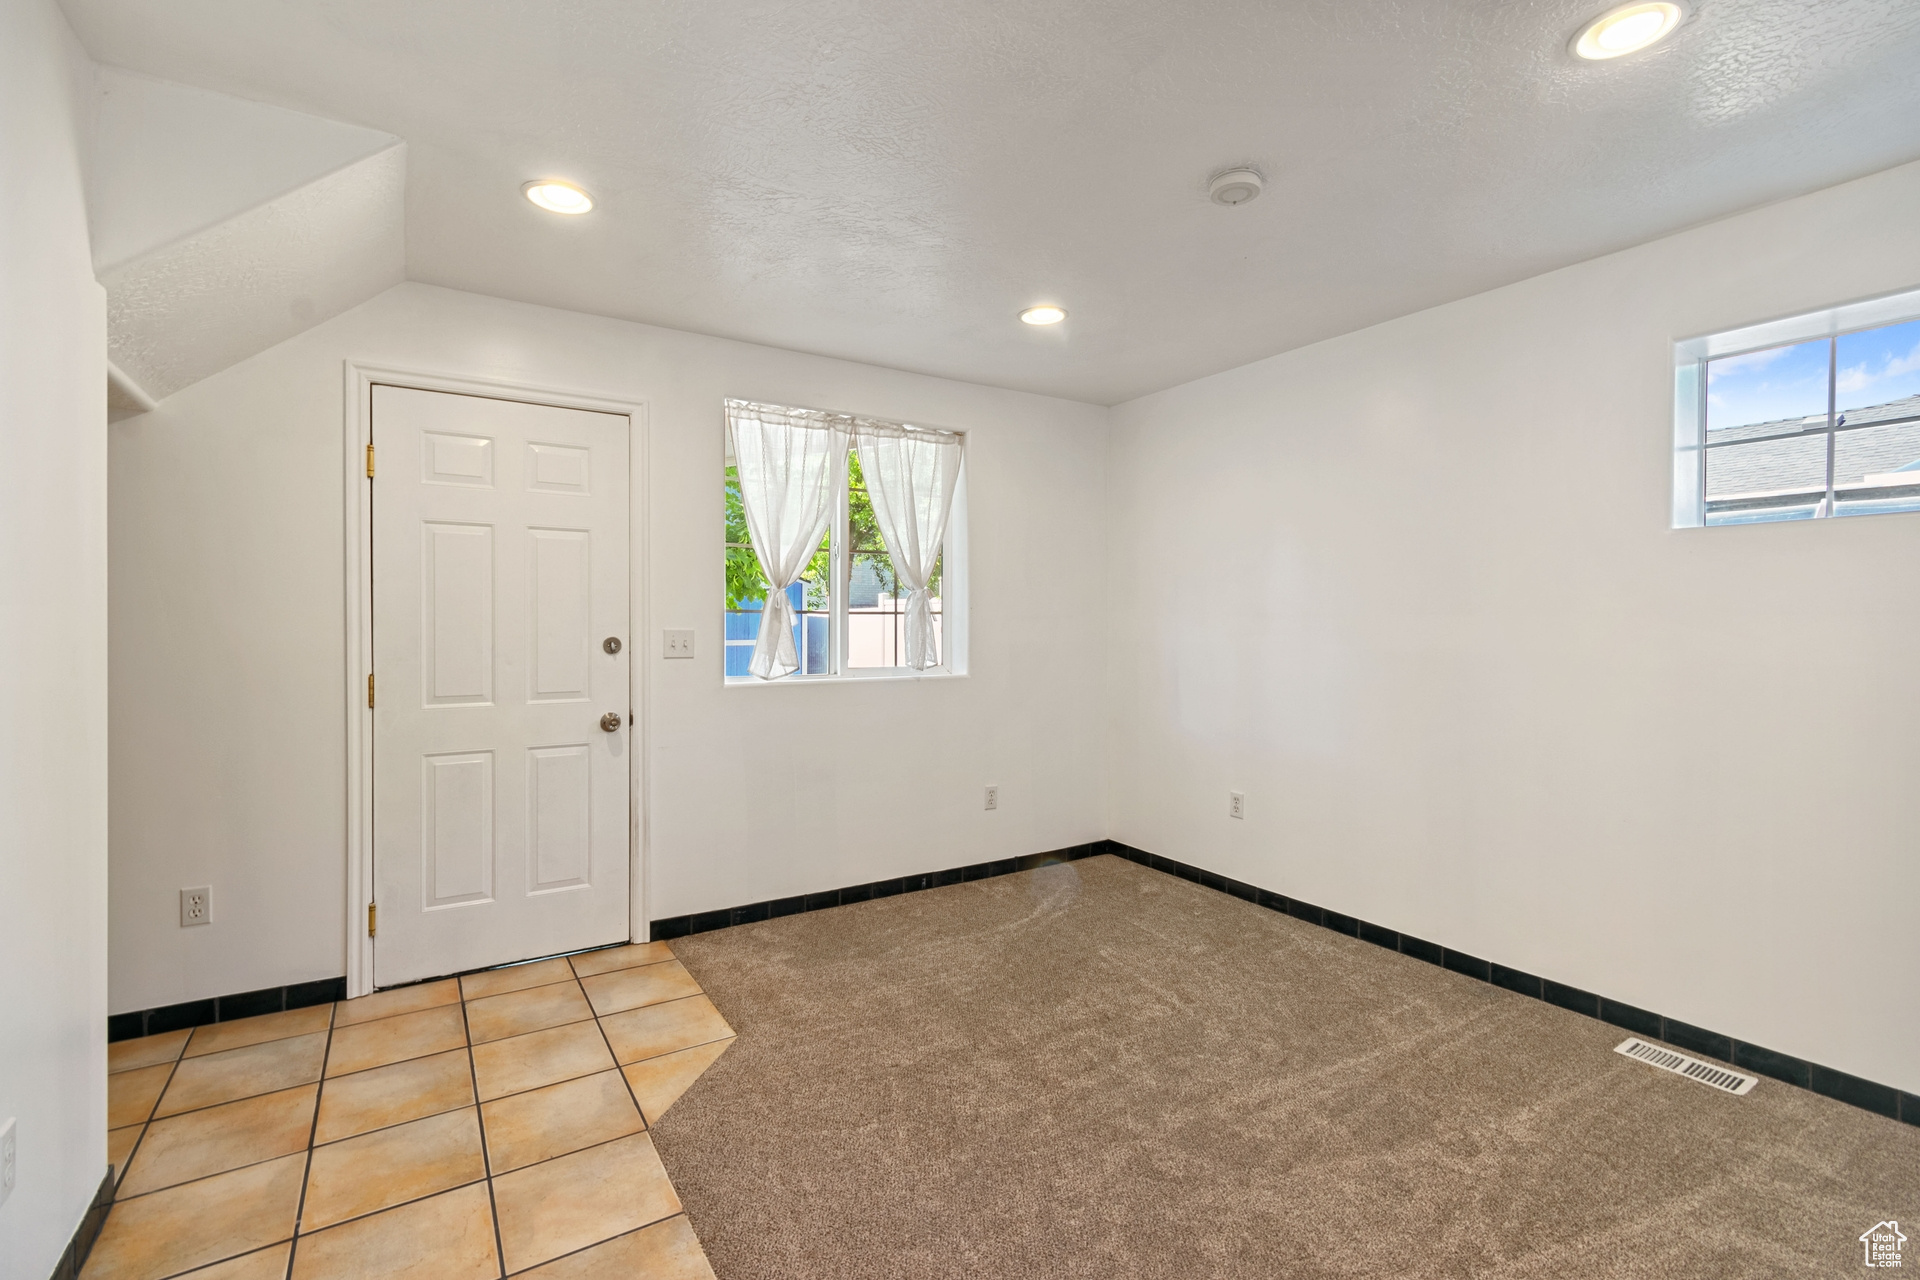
column 910, row 476
column 791, row 463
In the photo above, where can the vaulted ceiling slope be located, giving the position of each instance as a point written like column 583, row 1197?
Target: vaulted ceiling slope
column 891, row 182
column 221, row 227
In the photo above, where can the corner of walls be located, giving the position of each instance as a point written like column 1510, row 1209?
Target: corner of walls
column 53, row 711
column 1414, row 591
column 227, row 640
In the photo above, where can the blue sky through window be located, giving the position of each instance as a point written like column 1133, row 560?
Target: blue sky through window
column 1873, row 367
column 1877, row 365
column 1766, row 386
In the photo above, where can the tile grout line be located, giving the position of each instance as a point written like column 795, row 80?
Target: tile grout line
column 250, row 1164
column 631, row 1231
column 120, row 1175
column 646, row 1121
column 505, row 1173
column 429, row 1195
column 572, row 977
column 227, row 1102
column 358, row 1217
column 385, row 1017
column 668, row 1053
column 480, row 1122
column 239, row 1048
column 431, row 1115
column 190, row 1272
column 306, row 1172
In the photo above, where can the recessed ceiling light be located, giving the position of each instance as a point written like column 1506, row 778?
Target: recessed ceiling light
column 1235, row 186
column 1629, row 29
column 1047, row 314
column 558, row 197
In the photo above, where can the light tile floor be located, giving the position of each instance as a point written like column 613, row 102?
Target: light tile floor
column 486, row 1126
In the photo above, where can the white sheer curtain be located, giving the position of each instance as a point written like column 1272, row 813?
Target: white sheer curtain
column 910, row 474
column 791, row 463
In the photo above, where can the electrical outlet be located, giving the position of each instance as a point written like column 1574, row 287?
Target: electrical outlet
column 993, row 797
column 679, row 643
column 1236, row 804
column 9, row 1159
column 196, row 906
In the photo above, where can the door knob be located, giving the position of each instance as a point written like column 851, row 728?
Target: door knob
column 611, row 644
column 610, row 721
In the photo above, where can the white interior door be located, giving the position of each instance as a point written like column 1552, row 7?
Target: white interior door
column 500, row 583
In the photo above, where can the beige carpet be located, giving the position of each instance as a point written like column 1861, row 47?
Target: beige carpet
column 1095, row 1069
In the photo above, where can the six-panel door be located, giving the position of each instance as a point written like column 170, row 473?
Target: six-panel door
column 500, row 570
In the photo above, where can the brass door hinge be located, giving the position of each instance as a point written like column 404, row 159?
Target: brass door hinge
column 369, row 460
column 369, row 689
column 373, row 919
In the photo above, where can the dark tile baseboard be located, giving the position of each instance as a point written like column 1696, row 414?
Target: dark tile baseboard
column 1841, row 1087
column 245, row 1004
column 706, row 921
column 71, row 1262
column 1880, row 1099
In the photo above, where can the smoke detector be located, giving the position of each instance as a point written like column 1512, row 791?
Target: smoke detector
column 1235, row 186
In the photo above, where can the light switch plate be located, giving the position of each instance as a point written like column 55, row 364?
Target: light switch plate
column 196, row 906
column 679, row 643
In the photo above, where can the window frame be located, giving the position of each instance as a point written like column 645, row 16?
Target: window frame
column 953, row 587
column 1690, row 359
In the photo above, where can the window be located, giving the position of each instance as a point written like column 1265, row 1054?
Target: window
column 852, row 603
column 747, row 593
column 1801, row 419
column 876, row 601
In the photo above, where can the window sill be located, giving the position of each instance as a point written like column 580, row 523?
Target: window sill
column 881, row 675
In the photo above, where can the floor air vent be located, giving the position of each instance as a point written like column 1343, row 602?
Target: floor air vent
column 1680, row 1064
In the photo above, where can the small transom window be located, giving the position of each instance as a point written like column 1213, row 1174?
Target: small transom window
column 1801, row 419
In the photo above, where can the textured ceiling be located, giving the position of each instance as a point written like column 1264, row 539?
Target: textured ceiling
column 207, row 302
column 891, row 182
column 222, row 226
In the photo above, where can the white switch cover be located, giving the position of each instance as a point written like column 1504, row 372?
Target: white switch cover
column 9, row 1159
column 680, row 643
column 993, row 797
column 1236, row 804
column 196, row 906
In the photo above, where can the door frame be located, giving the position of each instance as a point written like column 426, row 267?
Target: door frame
column 361, row 377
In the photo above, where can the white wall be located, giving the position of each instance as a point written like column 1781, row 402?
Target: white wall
column 1414, row 591
column 53, row 679
column 227, row 642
